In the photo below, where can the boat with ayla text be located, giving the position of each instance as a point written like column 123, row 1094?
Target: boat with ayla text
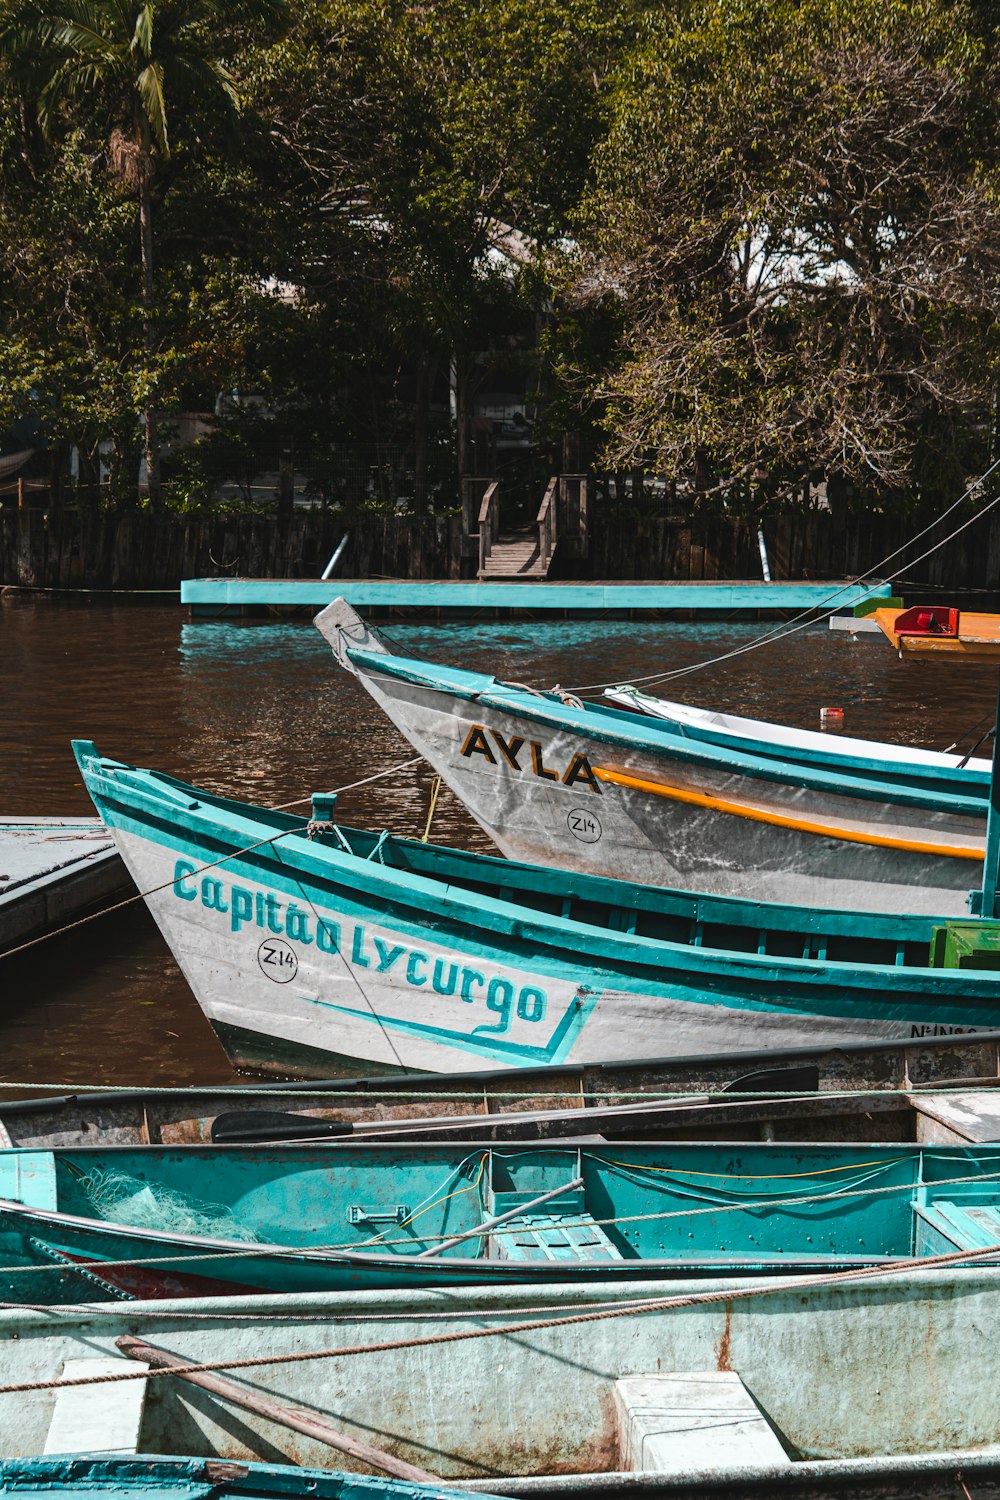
column 593, row 788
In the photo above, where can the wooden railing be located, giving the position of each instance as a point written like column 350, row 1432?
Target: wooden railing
column 489, row 523
column 546, row 523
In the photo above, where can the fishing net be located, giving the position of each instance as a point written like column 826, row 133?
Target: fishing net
column 125, row 1200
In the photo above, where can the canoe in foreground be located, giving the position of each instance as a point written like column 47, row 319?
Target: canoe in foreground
column 551, row 778
column 111, row 1476
column 810, row 747
column 301, row 949
column 931, row 1088
column 156, row 1221
column 892, row 1376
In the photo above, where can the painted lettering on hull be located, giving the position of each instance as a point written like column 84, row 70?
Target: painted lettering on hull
column 504, row 1000
column 496, row 749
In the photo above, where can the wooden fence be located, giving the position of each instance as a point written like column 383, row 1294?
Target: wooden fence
column 138, row 551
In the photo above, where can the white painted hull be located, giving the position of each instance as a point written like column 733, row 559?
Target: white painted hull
column 633, row 835
column 785, row 737
column 276, row 1000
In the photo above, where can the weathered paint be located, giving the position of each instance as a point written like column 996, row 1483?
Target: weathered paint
column 857, row 1092
column 103, row 1476
column 356, row 1216
column 905, row 1366
column 628, row 832
column 391, row 951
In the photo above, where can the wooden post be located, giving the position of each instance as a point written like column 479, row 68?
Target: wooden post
column 298, row 1421
column 20, row 492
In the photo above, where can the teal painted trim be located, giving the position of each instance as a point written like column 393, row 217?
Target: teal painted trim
column 937, row 778
column 551, row 946
column 983, row 902
column 638, row 732
column 221, row 592
column 555, row 1050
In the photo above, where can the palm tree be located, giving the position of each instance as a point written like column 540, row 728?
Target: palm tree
column 126, row 60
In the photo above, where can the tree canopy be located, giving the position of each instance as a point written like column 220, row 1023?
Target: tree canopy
column 740, row 243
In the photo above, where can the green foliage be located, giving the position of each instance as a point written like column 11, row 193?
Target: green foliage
column 741, row 242
column 794, row 217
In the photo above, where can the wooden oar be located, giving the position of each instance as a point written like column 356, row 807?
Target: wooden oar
column 314, row 1427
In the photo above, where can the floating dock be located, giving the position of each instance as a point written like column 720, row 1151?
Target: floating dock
column 53, row 870
column 224, row 598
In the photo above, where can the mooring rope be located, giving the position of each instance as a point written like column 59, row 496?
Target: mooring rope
column 820, row 611
column 654, row 1304
column 282, row 833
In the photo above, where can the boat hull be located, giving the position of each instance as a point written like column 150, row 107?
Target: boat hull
column 660, row 838
column 901, row 1366
column 553, row 780
column 490, row 1000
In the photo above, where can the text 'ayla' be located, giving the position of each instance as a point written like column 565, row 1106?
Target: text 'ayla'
column 477, row 743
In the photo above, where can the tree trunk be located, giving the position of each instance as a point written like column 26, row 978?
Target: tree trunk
column 460, row 412
column 421, row 421
column 148, row 329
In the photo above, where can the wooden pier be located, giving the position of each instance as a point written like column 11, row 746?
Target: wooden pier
column 53, row 870
column 221, row 598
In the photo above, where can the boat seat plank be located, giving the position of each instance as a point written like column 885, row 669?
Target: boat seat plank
column 953, row 1119
column 550, row 1237
column 702, row 1420
column 97, row 1418
column 29, row 1177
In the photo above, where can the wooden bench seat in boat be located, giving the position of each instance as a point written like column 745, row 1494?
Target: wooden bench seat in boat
column 97, row 1418
column 553, row 1237
column 699, row 1420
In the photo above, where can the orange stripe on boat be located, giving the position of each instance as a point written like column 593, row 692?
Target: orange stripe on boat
column 782, row 820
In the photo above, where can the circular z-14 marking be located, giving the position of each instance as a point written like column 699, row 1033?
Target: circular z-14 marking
column 277, row 960
column 585, row 826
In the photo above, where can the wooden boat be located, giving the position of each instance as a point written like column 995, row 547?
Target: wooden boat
column 805, row 746
column 883, row 1385
column 551, row 778
column 111, row 1476
column 925, row 1089
column 165, row 1221
column 53, row 870
column 304, row 948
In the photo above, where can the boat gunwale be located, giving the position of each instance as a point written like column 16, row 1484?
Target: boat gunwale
column 529, row 926
column 556, row 714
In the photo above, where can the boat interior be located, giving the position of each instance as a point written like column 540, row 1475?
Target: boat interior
column 737, row 1207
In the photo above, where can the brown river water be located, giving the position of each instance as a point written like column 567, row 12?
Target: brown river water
column 261, row 712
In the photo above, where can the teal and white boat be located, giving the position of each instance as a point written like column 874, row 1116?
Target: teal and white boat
column 305, row 942
column 112, row 1476
column 787, row 742
column 595, row 789
column 878, row 1386
column 159, row 1222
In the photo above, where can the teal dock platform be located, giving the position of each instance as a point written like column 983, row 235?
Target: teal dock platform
column 218, row 598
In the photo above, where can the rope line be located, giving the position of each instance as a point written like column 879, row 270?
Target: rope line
column 234, row 854
column 820, row 611
column 630, row 1309
column 733, row 1099
column 278, row 1252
